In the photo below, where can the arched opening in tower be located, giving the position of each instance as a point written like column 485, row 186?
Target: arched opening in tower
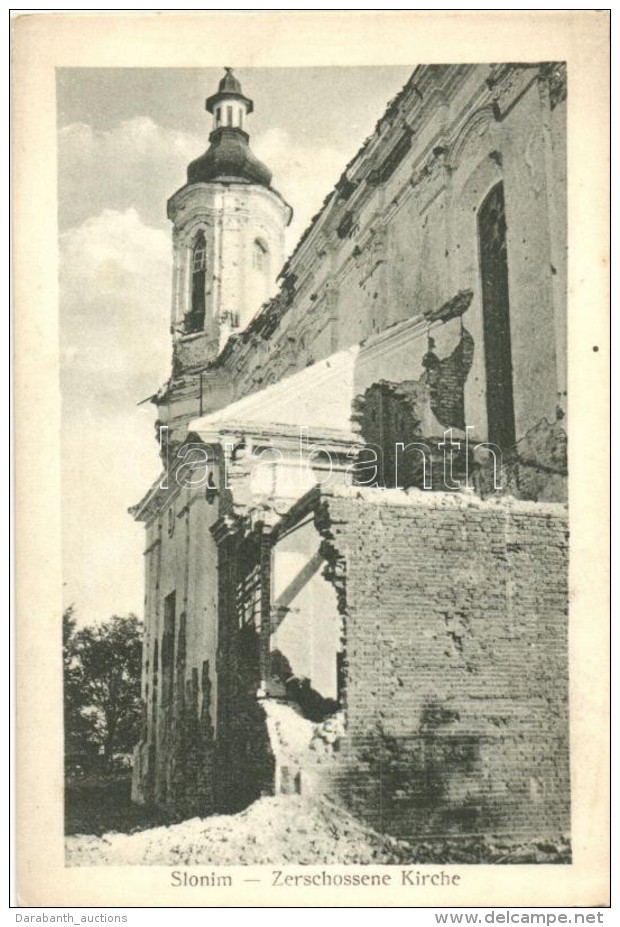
column 195, row 320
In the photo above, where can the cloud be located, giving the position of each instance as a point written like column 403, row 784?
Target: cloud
column 115, row 283
column 304, row 175
column 136, row 164
column 134, row 141
column 115, row 351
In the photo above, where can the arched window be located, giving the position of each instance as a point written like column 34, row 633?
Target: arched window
column 496, row 318
column 195, row 319
column 260, row 256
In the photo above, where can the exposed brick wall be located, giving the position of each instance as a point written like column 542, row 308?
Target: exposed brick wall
column 456, row 660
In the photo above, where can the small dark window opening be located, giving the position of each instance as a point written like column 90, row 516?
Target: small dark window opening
column 195, row 318
column 340, row 677
column 229, row 115
column 260, row 256
column 496, row 318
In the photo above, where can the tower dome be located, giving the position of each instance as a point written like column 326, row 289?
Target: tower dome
column 229, row 157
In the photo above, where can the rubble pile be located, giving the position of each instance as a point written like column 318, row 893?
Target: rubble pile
column 289, row 829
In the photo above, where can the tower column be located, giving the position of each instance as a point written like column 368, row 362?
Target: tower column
column 228, row 247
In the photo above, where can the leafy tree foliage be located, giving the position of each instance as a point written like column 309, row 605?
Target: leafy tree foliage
column 102, row 666
column 80, row 734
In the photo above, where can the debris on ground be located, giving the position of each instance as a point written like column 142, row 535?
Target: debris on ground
column 295, row 831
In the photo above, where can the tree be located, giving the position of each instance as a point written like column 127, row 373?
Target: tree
column 102, row 680
column 80, row 733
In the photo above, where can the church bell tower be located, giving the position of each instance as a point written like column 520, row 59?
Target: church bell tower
column 228, row 235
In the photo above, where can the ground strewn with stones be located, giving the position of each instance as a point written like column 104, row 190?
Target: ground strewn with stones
column 291, row 830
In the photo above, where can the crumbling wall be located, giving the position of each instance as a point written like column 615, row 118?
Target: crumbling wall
column 174, row 763
column 456, row 661
column 392, row 420
column 245, row 763
column 192, row 758
column 536, row 469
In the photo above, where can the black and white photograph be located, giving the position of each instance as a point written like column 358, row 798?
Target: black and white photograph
column 316, row 542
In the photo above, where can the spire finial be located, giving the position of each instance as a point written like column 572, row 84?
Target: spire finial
column 229, row 89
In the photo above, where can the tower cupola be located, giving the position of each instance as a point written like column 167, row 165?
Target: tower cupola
column 228, row 236
column 229, row 93
column 229, row 157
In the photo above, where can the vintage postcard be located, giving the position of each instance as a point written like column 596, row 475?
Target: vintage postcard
column 311, row 332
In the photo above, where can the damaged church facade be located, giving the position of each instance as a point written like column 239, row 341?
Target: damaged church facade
column 356, row 554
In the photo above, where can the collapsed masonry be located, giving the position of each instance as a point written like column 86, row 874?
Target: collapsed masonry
column 333, row 605
column 439, row 677
column 403, row 651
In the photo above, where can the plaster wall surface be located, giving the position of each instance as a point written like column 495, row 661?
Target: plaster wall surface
column 173, row 761
column 237, row 220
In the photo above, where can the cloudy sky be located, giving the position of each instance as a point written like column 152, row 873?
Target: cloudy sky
column 125, row 137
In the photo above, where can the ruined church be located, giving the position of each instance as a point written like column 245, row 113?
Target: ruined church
column 356, row 553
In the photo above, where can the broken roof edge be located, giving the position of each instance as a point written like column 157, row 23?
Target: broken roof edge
column 296, row 388
column 390, row 109
column 233, row 418
column 413, row 497
column 463, row 498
